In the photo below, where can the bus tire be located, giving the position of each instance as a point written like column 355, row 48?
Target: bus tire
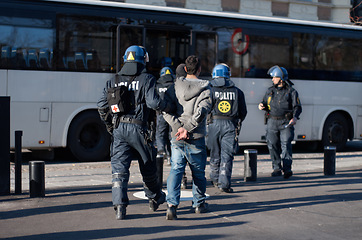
column 335, row 131
column 88, row 139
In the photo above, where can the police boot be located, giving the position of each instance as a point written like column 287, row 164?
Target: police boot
column 154, row 204
column 171, row 213
column 288, row 174
column 120, row 212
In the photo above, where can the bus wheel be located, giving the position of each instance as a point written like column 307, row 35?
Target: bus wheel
column 88, row 138
column 335, row 131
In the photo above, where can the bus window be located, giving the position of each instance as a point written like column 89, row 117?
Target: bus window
column 303, row 56
column 81, row 36
column 23, row 37
column 338, row 58
column 303, row 50
column 233, row 50
column 127, row 36
column 161, row 44
column 205, row 44
column 266, row 51
column 251, row 52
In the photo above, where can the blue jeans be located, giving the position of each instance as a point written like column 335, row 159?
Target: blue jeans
column 279, row 141
column 194, row 152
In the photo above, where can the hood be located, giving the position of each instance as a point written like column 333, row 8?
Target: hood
column 165, row 79
column 131, row 69
column 221, row 82
column 189, row 89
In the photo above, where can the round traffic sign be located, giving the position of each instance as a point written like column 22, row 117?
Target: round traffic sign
column 239, row 41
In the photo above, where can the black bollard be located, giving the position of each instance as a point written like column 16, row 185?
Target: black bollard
column 250, row 165
column 4, row 145
column 18, row 161
column 159, row 163
column 330, row 160
column 37, row 178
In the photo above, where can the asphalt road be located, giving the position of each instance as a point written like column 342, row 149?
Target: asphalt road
column 309, row 205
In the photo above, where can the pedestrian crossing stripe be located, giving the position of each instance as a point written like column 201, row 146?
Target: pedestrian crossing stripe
column 130, row 56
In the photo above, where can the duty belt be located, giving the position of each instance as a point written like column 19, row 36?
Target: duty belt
column 222, row 117
column 130, row 120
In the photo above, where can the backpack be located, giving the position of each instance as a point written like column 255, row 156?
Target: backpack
column 120, row 99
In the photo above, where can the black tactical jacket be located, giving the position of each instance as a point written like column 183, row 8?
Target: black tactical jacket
column 227, row 99
column 282, row 100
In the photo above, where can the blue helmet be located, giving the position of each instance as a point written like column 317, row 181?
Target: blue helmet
column 277, row 71
column 166, row 71
column 136, row 54
column 280, row 72
column 166, row 62
column 221, row 70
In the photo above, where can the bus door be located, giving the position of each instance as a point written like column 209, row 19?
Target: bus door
column 126, row 36
column 204, row 46
column 166, row 47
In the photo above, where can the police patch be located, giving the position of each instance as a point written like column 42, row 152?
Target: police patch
column 224, row 106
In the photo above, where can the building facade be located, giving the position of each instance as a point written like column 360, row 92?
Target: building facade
column 337, row 11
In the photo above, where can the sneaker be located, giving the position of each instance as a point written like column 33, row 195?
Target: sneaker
column 155, row 204
column 276, row 173
column 288, row 174
column 226, row 190
column 120, row 212
column 171, row 213
column 203, row 208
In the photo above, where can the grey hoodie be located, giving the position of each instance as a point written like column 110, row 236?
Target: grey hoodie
column 192, row 101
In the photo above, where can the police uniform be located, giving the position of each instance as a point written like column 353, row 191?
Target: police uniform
column 130, row 135
column 281, row 104
column 162, row 128
column 229, row 110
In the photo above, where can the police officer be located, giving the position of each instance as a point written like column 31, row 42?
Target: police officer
column 283, row 107
column 162, row 128
column 229, row 110
column 130, row 136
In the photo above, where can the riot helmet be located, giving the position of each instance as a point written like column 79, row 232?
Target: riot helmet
column 221, row 70
column 136, row 54
column 166, row 71
column 280, row 72
column 166, row 62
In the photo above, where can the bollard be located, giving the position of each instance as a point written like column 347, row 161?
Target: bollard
column 330, row 160
column 159, row 163
column 250, row 165
column 18, row 161
column 4, row 145
column 37, row 178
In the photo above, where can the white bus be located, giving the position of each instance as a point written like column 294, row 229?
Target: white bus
column 56, row 56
